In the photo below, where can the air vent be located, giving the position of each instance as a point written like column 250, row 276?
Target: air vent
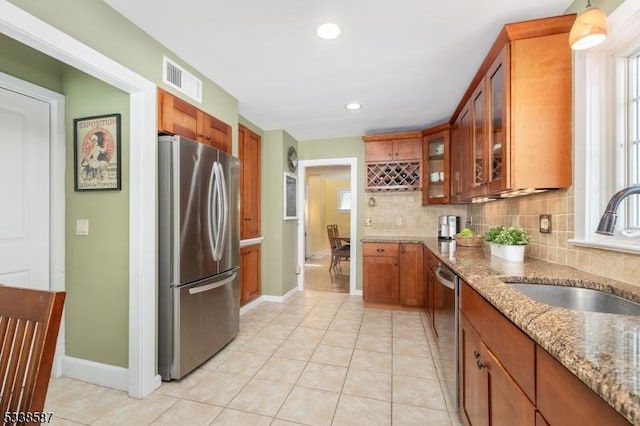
column 179, row 78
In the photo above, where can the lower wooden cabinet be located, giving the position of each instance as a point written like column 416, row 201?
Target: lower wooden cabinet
column 493, row 386
column 393, row 274
column 563, row 399
column 507, row 379
column 250, row 267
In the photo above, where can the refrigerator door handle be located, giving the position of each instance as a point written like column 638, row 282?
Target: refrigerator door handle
column 225, row 209
column 213, row 217
column 207, row 287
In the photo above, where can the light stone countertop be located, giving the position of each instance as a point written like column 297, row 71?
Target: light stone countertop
column 602, row 350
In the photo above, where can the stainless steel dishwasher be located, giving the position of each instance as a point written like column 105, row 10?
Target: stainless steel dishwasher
column 446, row 301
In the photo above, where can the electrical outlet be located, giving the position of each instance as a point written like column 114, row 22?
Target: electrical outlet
column 545, row 223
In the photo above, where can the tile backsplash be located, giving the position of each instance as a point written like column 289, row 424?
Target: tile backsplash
column 402, row 214
column 525, row 212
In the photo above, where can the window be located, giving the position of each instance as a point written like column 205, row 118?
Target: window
column 606, row 131
column 344, row 200
column 633, row 140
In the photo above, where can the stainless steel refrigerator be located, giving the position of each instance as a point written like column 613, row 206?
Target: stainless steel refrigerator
column 199, row 251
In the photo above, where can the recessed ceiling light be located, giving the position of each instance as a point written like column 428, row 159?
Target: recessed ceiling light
column 353, row 106
column 328, row 31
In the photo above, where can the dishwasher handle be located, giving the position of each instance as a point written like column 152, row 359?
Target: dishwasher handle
column 447, row 281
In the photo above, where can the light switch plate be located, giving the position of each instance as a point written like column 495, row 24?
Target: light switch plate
column 545, row 223
column 82, row 226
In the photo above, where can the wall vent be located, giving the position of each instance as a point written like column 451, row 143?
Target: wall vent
column 180, row 79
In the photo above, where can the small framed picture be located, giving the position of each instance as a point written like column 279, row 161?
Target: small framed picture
column 290, row 196
column 96, row 143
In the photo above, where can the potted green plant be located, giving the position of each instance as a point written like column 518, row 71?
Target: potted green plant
column 507, row 242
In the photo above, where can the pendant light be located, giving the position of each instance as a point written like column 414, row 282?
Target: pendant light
column 589, row 29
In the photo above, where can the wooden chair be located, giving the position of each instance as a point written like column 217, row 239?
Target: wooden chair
column 338, row 251
column 29, row 324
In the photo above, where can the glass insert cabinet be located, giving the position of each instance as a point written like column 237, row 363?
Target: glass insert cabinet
column 436, row 154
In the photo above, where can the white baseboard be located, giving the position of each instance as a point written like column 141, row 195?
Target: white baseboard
column 357, row 293
column 280, row 299
column 100, row 374
column 249, row 306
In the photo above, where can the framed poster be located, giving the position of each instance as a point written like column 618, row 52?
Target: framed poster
column 290, row 196
column 96, row 153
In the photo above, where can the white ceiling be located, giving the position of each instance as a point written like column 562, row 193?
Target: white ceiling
column 407, row 61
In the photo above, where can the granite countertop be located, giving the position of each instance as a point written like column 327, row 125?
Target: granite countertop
column 602, row 350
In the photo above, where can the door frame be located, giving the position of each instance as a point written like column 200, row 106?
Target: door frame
column 141, row 378
column 302, row 168
column 57, row 166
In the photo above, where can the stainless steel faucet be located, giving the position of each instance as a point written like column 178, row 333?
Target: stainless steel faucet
column 608, row 220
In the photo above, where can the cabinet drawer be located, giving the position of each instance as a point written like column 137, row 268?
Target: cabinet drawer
column 471, row 303
column 380, row 249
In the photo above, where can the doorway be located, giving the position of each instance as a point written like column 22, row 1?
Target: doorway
column 140, row 378
column 327, row 188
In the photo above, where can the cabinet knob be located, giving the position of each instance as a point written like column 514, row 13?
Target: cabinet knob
column 403, row 251
column 208, row 138
column 480, row 365
column 201, row 134
column 380, row 250
column 476, row 355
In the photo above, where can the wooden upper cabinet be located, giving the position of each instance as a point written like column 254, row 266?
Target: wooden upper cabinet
column 520, row 112
column 178, row 117
column 214, row 132
column 249, row 153
column 436, row 170
column 393, row 147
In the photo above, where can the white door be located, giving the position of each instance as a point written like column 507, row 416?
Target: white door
column 24, row 190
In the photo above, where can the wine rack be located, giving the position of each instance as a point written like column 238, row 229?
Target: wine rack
column 394, row 176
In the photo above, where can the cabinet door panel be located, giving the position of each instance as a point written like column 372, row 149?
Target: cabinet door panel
column 378, row 150
column 478, row 153
column 474, row 389
column 436, row 159
column 499, row 99
column 214, row 132
column 250, row 258
column 407, row 149
column 380, row 280
column 176, row 116
column 411, row 275
column 249, row 153
column 508, row 405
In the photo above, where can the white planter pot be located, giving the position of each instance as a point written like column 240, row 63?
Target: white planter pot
column 513, row 253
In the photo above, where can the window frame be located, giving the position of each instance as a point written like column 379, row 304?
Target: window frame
column 600, row 90
column 340, row 192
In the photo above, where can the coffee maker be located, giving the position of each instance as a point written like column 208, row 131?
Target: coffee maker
column 448, row 226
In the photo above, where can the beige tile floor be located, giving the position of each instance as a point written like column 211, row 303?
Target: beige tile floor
column 317, row 275
column 320, row 358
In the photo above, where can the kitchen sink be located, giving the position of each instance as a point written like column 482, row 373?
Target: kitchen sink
column 581, row 299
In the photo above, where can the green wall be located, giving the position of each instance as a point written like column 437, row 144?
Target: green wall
column 28, row 64
column 97, row 265
column 280, row 245
column 321, row 149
